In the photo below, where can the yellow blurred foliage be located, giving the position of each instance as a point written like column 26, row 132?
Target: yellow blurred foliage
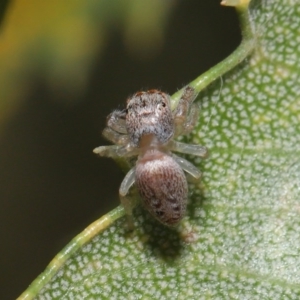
column 58, row 41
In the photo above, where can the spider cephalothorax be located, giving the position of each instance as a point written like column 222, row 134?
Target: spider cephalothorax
column 149, row 113
column 147, row 129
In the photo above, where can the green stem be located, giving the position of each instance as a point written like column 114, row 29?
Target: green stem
column 244, row 50
column 86, row 235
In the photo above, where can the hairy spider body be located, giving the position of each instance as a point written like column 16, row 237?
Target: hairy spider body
column 149, row 113
column 162, row 186
column 146, row 129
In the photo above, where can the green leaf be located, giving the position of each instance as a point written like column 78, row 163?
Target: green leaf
column 241, row 236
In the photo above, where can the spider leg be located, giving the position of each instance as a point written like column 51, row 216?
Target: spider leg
column 187, row 166
column 192, row 119
column 117, row 121
column 115, row 151
column 115, row 137
column 196, row 150
column 110, row 151
column 182, row 111
column 127, row 182
column 127, row 202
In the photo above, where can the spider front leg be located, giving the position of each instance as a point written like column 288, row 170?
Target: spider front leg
column 127, row 203
column 116, row 131
column 114, row 151
column 117, row 121
column 115, row 137
column 122, row 149
column 185, row 119
column 186, row 114
column 192, row 119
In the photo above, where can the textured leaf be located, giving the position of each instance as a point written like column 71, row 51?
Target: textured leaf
column 241, row 236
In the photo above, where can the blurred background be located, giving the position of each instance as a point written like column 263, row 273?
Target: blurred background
column 64, row 66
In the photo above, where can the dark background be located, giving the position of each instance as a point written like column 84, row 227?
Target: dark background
column 51, row 184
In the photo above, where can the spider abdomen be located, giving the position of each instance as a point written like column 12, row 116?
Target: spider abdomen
column 162, row 186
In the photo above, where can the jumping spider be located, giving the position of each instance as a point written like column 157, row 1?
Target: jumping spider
column 146, row 129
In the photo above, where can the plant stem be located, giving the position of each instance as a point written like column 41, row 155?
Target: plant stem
column 244, row 50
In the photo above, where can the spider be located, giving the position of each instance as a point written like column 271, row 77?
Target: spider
column 146, row 129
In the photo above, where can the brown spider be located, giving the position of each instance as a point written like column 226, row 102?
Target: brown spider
column 147, row 129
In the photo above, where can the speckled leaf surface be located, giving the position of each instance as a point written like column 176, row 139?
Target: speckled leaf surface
column 241, row 236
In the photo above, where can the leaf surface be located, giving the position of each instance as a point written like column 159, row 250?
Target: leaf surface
column 241, row 236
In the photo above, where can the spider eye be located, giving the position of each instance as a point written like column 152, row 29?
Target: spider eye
column 163, row 104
